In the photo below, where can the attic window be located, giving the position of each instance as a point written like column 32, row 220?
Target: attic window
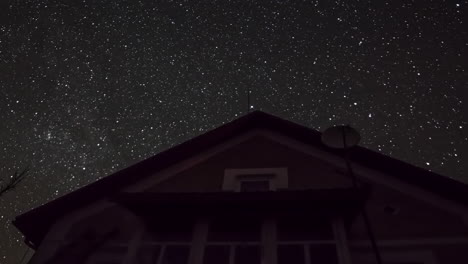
column 255, row 179
column 255, row 185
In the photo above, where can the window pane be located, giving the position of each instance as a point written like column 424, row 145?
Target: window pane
column 323, row 254
column 148, row 254
column 247, row 255
column 299, row 228
column 291, row 254
column 235, row 228
column 255, row 186
column 216, row 255
column 176, row 255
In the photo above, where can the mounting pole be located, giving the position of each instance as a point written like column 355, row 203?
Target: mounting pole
column 345, row 137
column 248, row 99
column 367, row 223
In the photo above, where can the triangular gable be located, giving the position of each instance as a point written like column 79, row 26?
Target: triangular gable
column 257, row 150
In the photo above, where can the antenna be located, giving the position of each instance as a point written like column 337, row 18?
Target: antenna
column 248, row 99
column 345, row 137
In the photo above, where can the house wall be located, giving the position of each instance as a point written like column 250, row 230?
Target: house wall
column 417, row 226
column 415, row 220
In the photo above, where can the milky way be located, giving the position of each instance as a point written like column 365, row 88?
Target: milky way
column 88, row 89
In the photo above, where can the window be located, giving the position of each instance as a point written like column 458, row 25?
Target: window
column 217, row 254
column 166, row 240
column 305, row 240
column 148, row 254
column 255, row 185
column 255, row 179
column 233, row 238
column 230, row 238
column 256, row 240
column 175, row 254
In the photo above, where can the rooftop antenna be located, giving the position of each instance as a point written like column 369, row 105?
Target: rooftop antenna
column 248, row 99
column 345, row 137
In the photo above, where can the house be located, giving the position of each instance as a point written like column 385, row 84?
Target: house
column 256, row 190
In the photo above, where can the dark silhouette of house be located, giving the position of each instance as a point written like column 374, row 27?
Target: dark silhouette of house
column 256, row 190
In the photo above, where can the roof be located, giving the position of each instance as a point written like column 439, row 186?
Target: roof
column 35, row 223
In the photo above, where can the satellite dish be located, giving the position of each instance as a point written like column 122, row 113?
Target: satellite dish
column 340, row 137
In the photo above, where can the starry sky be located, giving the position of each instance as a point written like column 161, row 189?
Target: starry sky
column 90, row 87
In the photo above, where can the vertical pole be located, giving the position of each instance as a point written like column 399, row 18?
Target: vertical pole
column 232, row 252
column 341, row 241
column 364, row 212
column 268, row 245
column 248, row 99
column 198, row 241
column 378, row 257
column 161, row 254
column 307, row 254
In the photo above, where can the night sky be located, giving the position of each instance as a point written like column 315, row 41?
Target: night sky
column 90, row 87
